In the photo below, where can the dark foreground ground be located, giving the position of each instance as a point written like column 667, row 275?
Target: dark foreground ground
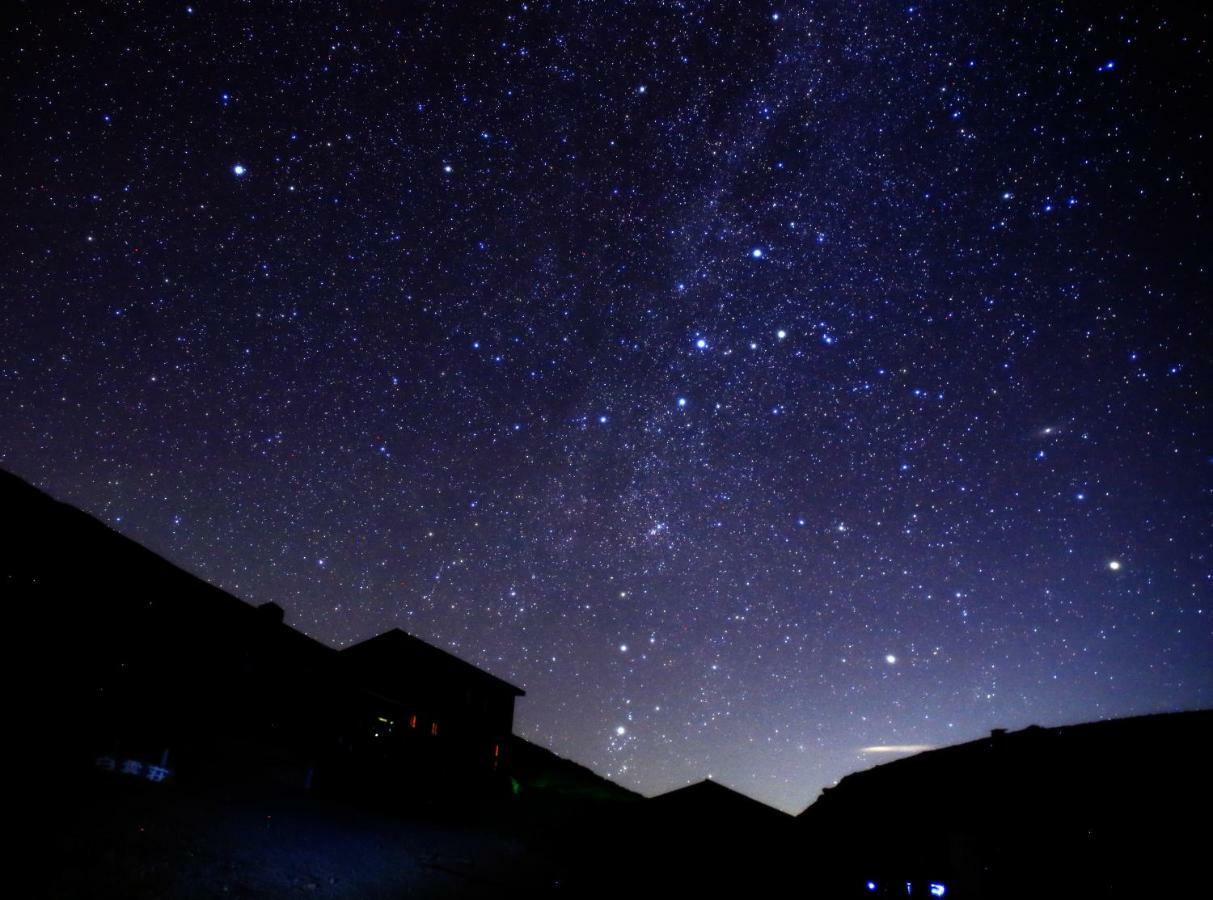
column 115, row 837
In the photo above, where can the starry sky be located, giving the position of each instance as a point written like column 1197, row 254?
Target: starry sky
column 758, row 386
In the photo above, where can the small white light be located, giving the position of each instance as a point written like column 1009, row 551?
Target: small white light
column 1114, row 565
column 621, row 731
column 890, row 659
column 238, row 170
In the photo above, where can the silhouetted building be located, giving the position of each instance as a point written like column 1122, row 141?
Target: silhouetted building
column 423, row 704
column 710, row 805
column 706, row 839
column 130, row 658
column 1105, row 809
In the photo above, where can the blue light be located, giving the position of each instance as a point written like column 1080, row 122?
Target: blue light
column 937, row 889
column 238, row 170
column 756, row 253
column 871, row 885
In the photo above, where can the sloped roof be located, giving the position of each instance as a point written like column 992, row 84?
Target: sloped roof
column 712, row 797
column 1083, row 753
column 397, row 649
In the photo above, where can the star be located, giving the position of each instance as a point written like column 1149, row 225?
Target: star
column 954, row 346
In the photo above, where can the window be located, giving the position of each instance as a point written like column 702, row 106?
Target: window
column 434, row 728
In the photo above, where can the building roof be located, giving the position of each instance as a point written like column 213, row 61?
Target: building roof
column 51, row 529
column 710, row 797
column 396, row 649
column 1069, row 755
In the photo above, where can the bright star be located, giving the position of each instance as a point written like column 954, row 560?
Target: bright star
column 1114, row 565
column 620, row 730
column 238, row 170
column 890, row 659
column 756, row 253
column 781, row 334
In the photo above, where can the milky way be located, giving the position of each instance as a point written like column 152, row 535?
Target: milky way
column 760, row 387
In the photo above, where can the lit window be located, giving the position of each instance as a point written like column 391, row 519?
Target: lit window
column 433, row 728
column 413, row 721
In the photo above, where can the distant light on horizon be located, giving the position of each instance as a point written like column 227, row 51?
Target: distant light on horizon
column 897, row 748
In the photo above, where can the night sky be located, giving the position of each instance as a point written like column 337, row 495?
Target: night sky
column 755, row 385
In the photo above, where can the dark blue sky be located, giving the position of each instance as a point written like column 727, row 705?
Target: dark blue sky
column 752, row 384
